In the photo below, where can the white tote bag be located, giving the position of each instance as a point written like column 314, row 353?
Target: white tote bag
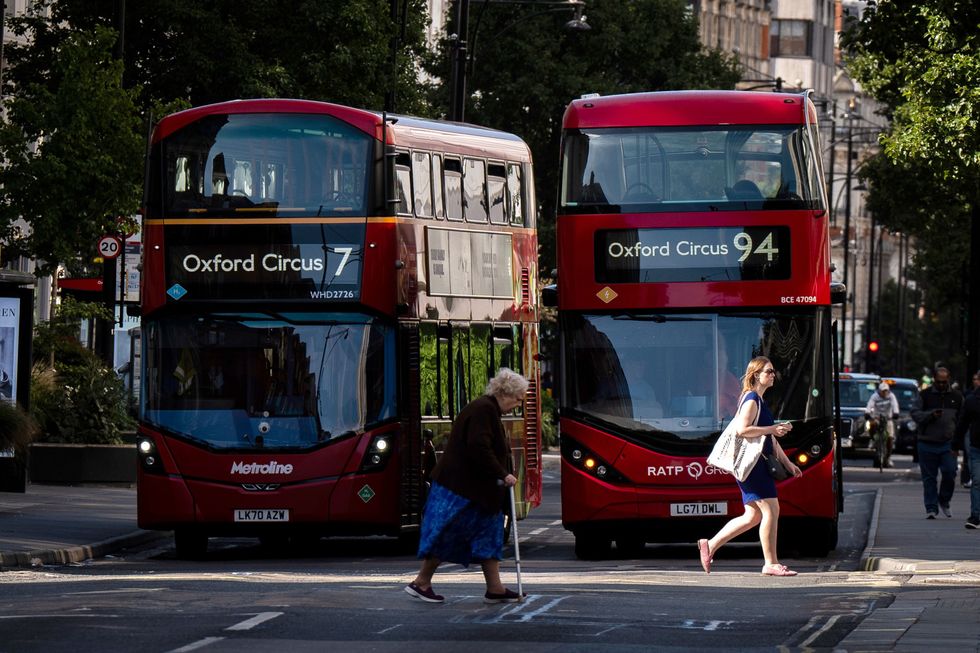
column 734, row 454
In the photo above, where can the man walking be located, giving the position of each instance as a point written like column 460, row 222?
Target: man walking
column 970, row 420
column 936, row 417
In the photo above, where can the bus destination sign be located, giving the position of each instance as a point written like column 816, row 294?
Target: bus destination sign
column 306, row 267
column 697, row 254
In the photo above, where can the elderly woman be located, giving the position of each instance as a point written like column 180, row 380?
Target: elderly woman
column 463, row 520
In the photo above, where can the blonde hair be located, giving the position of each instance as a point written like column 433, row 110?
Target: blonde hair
column 507, row 383
column 752, row 371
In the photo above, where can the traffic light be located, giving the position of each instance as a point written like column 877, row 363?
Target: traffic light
column 871, row 356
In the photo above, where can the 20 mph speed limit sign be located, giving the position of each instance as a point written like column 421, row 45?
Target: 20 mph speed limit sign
column 109, row 247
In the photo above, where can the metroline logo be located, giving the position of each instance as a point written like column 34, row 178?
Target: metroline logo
column 272, row 467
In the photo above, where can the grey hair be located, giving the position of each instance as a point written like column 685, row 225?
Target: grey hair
column 507, row 383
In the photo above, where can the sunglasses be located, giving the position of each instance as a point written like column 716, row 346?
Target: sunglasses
column 769, row 372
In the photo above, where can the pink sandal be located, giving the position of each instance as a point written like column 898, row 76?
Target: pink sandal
column 705, row 552
column 777, row 570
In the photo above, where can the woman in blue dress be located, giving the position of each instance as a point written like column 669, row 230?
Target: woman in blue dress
column 758, row 489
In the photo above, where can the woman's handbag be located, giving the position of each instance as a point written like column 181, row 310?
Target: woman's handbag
column 735, row 454
column 776, row 467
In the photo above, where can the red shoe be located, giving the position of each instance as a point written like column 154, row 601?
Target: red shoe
column 777, row 570
column 705, row 552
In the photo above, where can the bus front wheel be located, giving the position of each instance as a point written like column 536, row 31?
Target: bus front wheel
column 589, row 546
column 818, row 539
column 190, row 544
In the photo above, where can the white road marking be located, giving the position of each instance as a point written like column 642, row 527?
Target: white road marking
column 193, row 646
column 382, row 632
column 827, row 626
column 261, row 617
column 121, row 590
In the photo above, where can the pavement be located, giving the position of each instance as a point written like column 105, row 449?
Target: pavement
column 938, row 561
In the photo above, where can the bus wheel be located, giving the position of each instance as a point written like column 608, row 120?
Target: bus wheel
column 819, row 540
column 589, row 546
column 630, row 547
column 190, row 544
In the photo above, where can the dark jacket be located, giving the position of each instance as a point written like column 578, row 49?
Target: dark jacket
column 932, row 428
column 969, row 420
column 477, row 455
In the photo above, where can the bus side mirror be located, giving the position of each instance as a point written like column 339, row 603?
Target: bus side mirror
column 838, row 292
column 549, row 295
column 132, row 310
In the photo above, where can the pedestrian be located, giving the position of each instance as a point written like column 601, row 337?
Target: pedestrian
column 463, row 519
column 966, row 471
column 758, row 488
column 970, row 421
column 936, row 416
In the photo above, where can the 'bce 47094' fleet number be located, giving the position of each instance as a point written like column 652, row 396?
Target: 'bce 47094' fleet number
column 798, row 299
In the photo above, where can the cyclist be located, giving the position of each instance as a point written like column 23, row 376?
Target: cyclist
column 883, row 409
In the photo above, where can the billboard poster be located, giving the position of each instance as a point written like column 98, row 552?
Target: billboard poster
column 10, row 308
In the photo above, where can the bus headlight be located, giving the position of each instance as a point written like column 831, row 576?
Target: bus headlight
column 146, row 451
column 378, row 453
column 586, row 461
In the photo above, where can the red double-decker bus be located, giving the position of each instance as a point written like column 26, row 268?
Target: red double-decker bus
column 323, row 288
column 693, row 235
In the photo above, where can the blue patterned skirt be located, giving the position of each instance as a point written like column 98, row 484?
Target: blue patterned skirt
column 454, row 529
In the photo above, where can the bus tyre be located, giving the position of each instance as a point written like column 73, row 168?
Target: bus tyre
column 190, row 544
column 630, row 547
column 819, row 539
column 589, row 546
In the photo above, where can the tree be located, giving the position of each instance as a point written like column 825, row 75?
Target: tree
column 205, row 52
column 71, row 149
column 525, row 69
column 922, row 61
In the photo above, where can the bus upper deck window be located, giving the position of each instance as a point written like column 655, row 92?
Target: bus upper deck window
column 422, row 181
column 515, row 194
column 496, row 189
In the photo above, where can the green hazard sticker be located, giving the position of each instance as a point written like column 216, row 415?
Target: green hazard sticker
column 366, row 493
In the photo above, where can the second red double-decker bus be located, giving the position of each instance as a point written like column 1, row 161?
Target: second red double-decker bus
column 692, row 236
column 323, row 289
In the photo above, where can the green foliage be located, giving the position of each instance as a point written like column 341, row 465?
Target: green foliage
column 526, row 68
column 74, row 396
column 922, row 61
column 17, row 428
column 56, row 341
column 549, row 420
column 85, row 169
column 206, row 52
column 84, row 403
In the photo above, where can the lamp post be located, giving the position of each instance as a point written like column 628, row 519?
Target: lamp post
column 460, row 55
column 847, row 234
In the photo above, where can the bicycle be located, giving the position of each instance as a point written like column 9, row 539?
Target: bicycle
column 878, row 431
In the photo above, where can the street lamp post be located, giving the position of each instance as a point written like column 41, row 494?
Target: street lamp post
column 847, row 237
column 460, row 55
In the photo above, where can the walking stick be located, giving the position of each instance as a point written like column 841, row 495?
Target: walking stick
column 517, row 544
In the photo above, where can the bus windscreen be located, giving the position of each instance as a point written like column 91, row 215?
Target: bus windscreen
column 251, row 380
column 677, row 376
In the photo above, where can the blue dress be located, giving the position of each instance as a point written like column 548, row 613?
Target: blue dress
column 759, row 484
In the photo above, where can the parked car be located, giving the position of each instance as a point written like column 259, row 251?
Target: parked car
column 855, row 390
column 906, row 430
